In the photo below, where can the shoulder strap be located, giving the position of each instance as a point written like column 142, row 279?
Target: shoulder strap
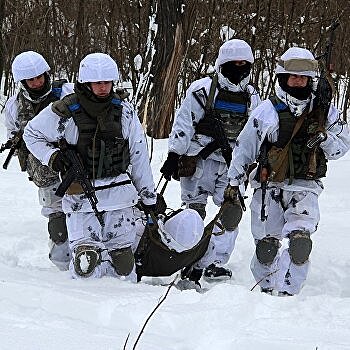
column 214, row 83
column 66, row 106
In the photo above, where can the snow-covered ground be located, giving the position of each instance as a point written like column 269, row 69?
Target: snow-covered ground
column 43, row 308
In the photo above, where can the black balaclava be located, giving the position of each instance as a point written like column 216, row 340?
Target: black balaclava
column 301, row 93
column 235, row 74
column 35, row 94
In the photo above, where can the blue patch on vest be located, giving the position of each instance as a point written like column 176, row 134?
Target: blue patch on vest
column 57, row 91
column 116, row 101
column 74, row 107
column 280, row 107
column 230, row 106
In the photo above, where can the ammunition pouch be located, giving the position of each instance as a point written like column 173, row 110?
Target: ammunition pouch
column 278, row 162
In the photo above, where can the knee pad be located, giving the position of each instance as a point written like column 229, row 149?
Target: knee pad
column 60, row 255
column 86, row 259
column 57, row 227
column 266, row 250
column 199, row 208
column 300, row 246
column 122, row 260
column 231, row 215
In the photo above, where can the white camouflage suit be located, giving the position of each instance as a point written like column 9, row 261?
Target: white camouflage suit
column 117, row 202
column 299, row 199
column 210, row 178
column 28, row 65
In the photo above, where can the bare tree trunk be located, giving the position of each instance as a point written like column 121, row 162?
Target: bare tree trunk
column 170, row 49
column 2, row 58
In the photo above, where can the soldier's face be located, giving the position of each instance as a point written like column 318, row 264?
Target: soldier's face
column 295, row 80
column 36, row 82
column 101, row 88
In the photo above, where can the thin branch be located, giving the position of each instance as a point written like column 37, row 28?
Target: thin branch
column 126, row 341
column 271, row 273
column 154, row 310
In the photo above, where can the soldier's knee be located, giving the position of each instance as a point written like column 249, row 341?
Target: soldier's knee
column 60, row 255
column 300, row 246
column 122, row 260
column 86, row 258
column 57, row 227
column 266, row 250
column 231, row 215
column 199, row 208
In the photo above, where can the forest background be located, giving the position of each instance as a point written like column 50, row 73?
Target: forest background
column 162, row 46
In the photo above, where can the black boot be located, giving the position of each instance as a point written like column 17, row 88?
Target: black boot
column 217, row 273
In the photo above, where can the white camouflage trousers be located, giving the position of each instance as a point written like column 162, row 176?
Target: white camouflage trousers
column 59, row 254
column 210, row 179
column 287, row 211
column 84, row 229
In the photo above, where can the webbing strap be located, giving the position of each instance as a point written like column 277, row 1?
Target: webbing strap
column 214, row 83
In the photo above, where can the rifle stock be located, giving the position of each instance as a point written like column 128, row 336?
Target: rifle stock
column 12, row 144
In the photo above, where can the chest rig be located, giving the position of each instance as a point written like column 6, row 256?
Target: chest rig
column 101, row 146
column 300, row 155
column 230, row 108
column 27, row 110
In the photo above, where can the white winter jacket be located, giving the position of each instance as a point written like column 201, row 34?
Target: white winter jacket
column 264, row 122
column 47, row 127
column 182, row 139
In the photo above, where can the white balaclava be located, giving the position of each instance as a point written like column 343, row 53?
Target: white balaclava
column 235, row 78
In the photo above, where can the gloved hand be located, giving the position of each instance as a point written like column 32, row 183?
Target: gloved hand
column 231, row 210
column 158, row 208
column 231, row 193
column 170, row 167
column 59, row 163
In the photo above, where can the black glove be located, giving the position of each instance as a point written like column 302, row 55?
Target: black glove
column 192, row 274
column 158, row 208
column 59, row 163
column 171, row 166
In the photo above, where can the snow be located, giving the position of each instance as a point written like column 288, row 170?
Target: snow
column 43, row 308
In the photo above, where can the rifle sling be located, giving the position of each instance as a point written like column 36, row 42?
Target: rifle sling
column 113, row 184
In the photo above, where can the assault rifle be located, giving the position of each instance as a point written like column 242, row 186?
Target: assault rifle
column 325, row 88
column 324, row 95
column 77, row 173
column 12, row 144
column 217, row 132
column 211, row 126
column 263, row 173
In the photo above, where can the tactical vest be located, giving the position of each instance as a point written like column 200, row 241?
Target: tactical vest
column 153, row 258
column 27, row 110
column 231, row 108
column 101, row 146
column 300, row 153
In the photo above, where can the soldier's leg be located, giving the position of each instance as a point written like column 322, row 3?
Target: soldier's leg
column 118, row 235
column 267, row 234
column 89, row 254
column 59, row 252
column 302, row 217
